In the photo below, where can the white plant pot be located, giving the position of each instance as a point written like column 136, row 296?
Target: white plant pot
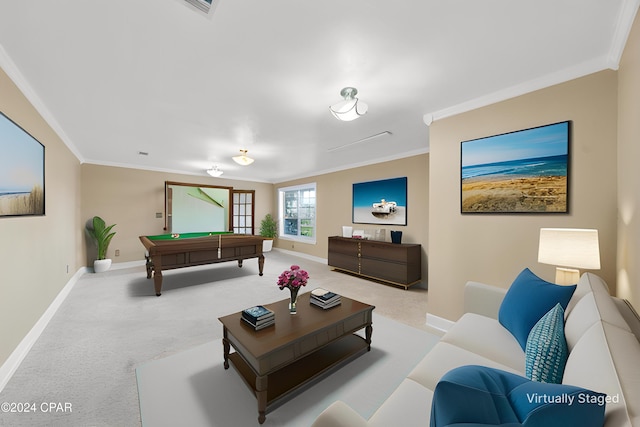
column 267, row 245
column 101, row 265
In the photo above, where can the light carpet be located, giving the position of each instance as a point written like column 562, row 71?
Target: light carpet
column 193, row 388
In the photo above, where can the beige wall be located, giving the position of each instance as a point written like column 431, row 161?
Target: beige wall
column 35, row 251
column 629, row 170
column 334, row 193
column 130, row 198
column 495, row 248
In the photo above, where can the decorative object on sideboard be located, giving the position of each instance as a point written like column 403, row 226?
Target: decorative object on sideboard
column 396, row 237
column 101, row 235
column 569, row 249
column 347, row 231
column 358, row 234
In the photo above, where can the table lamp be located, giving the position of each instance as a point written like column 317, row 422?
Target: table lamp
column 569, row 249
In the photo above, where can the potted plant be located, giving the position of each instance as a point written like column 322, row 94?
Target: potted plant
column 101, row 235
column 269, row 230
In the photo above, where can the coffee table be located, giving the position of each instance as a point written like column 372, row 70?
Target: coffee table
column 299, row 349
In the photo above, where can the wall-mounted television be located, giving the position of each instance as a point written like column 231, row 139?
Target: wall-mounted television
column 525, row 171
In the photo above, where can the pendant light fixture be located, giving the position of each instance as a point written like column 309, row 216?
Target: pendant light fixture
column 349, row 109
column 242, row 159
column 214, row 171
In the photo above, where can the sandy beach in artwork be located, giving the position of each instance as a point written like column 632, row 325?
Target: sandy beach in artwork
column 515, row 194
column 22, row 203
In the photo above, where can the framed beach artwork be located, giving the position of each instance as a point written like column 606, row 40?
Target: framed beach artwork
column 21, row 171
column 526, row 171
column 380, row 202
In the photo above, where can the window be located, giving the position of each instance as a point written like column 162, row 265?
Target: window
column 243, row 217
column 298, row 212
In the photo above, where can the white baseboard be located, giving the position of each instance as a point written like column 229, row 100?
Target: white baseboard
column 12, row 363
column 129, row 264
column 439, row 323
column 302, row 255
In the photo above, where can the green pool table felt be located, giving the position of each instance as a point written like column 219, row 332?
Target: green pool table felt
column 187, row 235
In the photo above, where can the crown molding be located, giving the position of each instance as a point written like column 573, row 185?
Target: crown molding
column 11, row 69
column 548, row 80
column 626, row 17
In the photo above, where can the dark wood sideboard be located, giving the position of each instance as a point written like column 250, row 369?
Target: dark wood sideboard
column 399, row 264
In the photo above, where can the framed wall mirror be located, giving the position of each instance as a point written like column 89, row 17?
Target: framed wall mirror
column 197, row 207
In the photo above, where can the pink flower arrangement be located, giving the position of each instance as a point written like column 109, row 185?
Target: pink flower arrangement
column 294, row 278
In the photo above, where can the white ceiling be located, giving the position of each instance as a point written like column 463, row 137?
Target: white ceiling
column 117, row 77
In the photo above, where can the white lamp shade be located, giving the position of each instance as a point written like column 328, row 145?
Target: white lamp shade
column 349, row 109
column 569, row 247
column 242, row 159
column 215, row 172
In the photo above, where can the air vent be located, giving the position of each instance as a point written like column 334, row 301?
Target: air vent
column 203, row 5
column 377, row 135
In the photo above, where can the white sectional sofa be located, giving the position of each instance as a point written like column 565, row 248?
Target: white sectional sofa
column 604, row 356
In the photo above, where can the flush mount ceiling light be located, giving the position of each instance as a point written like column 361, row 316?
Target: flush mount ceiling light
column 242, row 159
column 214, row 171
column 349, row 109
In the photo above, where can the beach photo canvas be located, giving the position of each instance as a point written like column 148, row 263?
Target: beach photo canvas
column 380, row 202
column 518, row 172
column 21, row 171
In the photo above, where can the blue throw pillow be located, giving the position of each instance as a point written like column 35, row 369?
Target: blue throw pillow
column 546, row 352
column 561, row 405
column 482, row 396
column 527, row 300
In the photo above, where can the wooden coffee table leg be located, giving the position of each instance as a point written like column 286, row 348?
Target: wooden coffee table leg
column 261, row 394
column 227, row 348
column 368, row 332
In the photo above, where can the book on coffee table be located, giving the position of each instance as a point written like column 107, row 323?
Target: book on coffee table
column 260, row 325
column 323, row 298
column 258, row 317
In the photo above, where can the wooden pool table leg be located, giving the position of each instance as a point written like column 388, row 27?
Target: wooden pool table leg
column 157, row 282
column 261, row 264
column 157, row 275
column 149, row 266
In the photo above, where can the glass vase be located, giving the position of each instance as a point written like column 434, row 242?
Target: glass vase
column 294, row 300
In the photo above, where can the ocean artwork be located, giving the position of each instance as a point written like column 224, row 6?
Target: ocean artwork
column 519, row 172
column 380, row 202
column 21, row 171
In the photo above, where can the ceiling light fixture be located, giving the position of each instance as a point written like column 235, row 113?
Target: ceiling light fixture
column 214, row 171
column 242, row 159
column 349, row 109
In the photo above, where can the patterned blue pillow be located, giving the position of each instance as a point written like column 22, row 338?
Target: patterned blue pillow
column 546, row 352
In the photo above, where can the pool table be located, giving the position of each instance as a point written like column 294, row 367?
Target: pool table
column 169, row 251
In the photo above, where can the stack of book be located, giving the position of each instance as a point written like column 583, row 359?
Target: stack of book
column 324, row 298
column 258, row 317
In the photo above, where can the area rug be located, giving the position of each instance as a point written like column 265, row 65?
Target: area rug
column 193, row 388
